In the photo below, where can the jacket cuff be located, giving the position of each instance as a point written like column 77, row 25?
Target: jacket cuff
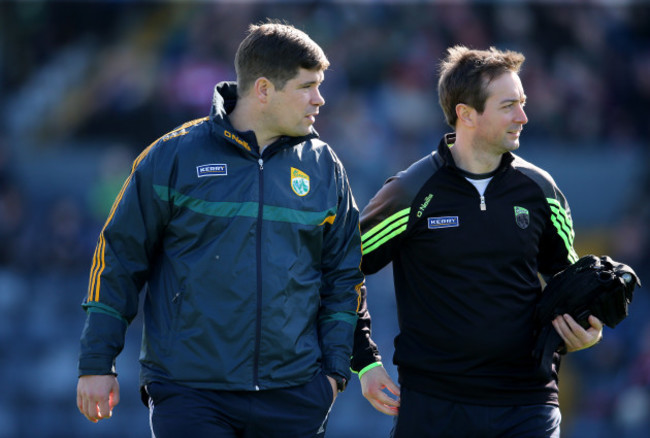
column 102, row 340
column 364, row 358
column 335, row 365
column 96, row 365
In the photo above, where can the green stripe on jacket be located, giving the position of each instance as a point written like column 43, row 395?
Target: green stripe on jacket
column 385, row 230
column 564, row 227
column 245, row 209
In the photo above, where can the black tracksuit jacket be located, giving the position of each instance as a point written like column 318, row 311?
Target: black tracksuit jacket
column 465, row 269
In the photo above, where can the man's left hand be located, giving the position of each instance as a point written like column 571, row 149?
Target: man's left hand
column 574, row 335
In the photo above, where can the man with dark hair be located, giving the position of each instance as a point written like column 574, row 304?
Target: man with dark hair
column 242, row 229
column 468, row 228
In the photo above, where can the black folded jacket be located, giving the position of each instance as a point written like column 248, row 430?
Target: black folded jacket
column 593, row 285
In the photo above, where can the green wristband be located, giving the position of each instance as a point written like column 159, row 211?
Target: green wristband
column 368, row 368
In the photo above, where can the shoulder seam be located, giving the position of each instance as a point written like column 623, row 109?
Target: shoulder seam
column 182, row 130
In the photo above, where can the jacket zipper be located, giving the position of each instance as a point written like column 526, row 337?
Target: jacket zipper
column 258, row 321
column 482, row 205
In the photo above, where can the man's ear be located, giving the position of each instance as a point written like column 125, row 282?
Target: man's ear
column 466, row 115
column 262, row 88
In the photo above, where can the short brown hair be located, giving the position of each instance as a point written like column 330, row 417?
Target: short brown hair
column 276, row 51
column 466, row 73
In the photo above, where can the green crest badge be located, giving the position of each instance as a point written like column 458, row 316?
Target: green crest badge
column 522, row 217
column 299, row 182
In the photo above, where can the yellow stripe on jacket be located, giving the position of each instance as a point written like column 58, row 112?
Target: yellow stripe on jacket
column 98, row 257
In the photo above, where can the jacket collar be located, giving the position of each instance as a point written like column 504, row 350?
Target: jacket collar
column 444, row 152
column 224, row 100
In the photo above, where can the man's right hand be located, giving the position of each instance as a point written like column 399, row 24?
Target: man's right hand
column 97, row 396
column 373, row 383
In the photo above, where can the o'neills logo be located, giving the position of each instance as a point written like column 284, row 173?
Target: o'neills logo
column 442, row 222
column 232, row 136
column 424, row 205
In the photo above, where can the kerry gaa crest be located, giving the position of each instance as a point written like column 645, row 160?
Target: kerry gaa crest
column 299, row 182
column 522, row 217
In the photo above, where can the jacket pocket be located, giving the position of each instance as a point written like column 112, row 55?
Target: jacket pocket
column 176, row 317
column 327, row 388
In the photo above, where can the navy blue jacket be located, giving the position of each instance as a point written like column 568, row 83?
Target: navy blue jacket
column 251, row 263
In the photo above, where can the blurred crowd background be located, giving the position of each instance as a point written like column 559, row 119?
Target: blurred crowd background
column 85, row 86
